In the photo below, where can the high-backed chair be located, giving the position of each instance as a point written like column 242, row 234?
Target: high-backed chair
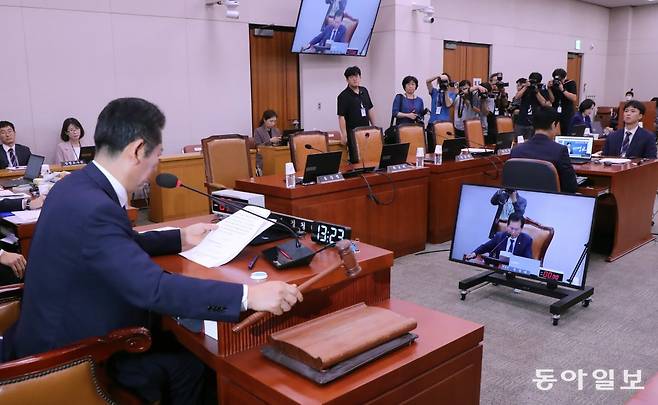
column 504, row 124
column 191, row 148
column 350, row 24
column 369, row 143
column 70, row 375
column 414, row 135
column 474, row 133
column 443, row 131
column 531, row 174
column 541, row 237
column 226, row 159
column 317, row 139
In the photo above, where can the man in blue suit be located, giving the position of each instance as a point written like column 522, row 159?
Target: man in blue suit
column 512, row 240
column 542, row 147
column 334, row 32
column 631, row 141
column 89, row 273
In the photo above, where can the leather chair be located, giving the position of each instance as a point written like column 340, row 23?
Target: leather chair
column 226, row 159
column 530, row 174
column 369, row 149
column 298, row 152
column 70, row 375
column 504, row 124
column 350, row 24
column 541, row 237
column 474, row 133
column 414, row 135
column 191, row 148
column 647, row 396
column 443, row 131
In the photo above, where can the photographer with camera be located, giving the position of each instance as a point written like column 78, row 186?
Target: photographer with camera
column 466, row 106
column 562, row 94
column 442, row 99
column 408, row 108
column 485, row 106
column 531, row 96
column 501, row 99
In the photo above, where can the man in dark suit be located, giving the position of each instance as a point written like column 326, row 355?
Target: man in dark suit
column 512, row 240
column 89, row 273
column 334, row 32
column 631, row 141
column 13, row 154
column 542, row 147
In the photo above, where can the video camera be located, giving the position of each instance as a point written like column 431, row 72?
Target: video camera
column 420, row 116
column 445, row 84
column 499, row 83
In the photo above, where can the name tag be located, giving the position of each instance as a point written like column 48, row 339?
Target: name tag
column 496, row 111
column 559, row 109
column 438, row 110
column 530, row 110
column 363, row 112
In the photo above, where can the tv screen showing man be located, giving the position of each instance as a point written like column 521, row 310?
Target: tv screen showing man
column 513, row 240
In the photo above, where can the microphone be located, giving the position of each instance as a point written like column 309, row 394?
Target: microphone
column 507, row 235
column 168, row 180
column 310, row 147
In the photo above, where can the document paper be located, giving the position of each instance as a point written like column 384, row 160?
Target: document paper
column 231, row 236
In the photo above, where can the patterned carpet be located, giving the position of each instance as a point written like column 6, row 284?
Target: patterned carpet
column 618, row 331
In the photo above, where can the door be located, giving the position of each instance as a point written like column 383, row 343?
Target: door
column 574, row 69
column 463, row 60
column 274, row 76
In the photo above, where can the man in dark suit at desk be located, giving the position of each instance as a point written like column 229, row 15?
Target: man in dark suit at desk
column 89, row 273
column 334, row 32
column 631, row 141
column 512, row 240
column 542, row 147
column 12, row 154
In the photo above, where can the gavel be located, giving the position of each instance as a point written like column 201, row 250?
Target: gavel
column 347, row 259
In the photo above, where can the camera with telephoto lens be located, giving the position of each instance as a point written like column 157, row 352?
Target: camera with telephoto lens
column 504, row 195
column 557, row 81
column 499, row 82
column 534, row 85
column 445, row 84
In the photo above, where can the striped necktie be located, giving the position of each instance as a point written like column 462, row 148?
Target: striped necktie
column 12, row 157
column 624, row 145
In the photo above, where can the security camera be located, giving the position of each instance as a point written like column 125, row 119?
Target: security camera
column 427, row 10
column 231, row 7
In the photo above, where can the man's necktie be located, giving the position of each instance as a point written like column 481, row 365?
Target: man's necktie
column 333, row 35
column 12, row 157
column 510, row 248
column 624, row 145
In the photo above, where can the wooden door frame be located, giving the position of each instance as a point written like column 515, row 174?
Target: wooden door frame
column 580, row 55
column 489, row 46
column 279, row 28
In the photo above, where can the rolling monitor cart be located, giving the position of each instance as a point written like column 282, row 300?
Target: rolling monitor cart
column 321, row 164
column 580, row 148
column 393, row 154
column 548, row 254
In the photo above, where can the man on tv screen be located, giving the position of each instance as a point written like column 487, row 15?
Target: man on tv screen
column 512, row 240
column 332, row 32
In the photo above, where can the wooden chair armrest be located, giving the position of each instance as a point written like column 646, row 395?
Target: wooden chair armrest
column 11, row 292
column 132, row 340
column 216, row 186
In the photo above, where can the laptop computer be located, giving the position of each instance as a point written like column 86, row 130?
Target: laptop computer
column 321, row 164
column 87, row 153
column 580, row 148
column 32, row 171
column 393, row 154
column 453, row 148
column 578, row 130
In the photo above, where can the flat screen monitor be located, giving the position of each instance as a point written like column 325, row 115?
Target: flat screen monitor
column 393, row 154
column 578, row 146
column 531, row 234
column 321, row 164
column 335, row 27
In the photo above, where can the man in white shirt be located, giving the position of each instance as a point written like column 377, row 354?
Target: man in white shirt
column 14, row 154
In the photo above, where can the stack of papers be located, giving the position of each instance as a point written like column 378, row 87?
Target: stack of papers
column 9, row 194
column 232, row 235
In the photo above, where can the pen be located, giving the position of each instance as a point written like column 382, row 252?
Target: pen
column 284, row 253
column 252, row 262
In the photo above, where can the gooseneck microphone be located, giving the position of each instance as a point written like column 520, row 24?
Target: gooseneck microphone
column 168, row 180
column 506, row 238
column 311, row 147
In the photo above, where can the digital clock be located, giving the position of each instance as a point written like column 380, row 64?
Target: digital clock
column 551, row 275
column 326, row 234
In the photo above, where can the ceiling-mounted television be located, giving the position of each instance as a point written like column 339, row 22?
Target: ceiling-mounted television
column 335, row 27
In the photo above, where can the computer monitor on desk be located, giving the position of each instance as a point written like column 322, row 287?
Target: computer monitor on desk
column 540, row 236
column 393, row 154
column 321, row 164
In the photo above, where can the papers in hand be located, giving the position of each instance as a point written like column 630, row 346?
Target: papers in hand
column 231, row 236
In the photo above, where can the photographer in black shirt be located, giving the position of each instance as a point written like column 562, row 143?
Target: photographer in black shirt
column 501, row 99
column 354, row 110
column 562, row 94
column 531, row 96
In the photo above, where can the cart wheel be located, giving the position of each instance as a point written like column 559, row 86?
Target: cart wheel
column 555, row 321
column 463, row 297
column 586, row 302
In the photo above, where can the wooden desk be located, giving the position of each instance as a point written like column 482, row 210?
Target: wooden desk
column 623, row 216
column 443, row 366
column 445, row 185
column 400, row 226
column 7, row 174
column 24, row 232
column 169, row 204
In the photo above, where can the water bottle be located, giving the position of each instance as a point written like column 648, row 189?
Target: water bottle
column 420, row 157
column 290, row 175
column 438, row 155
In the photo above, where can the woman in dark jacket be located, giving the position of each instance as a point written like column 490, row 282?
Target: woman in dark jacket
column 266, row 134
